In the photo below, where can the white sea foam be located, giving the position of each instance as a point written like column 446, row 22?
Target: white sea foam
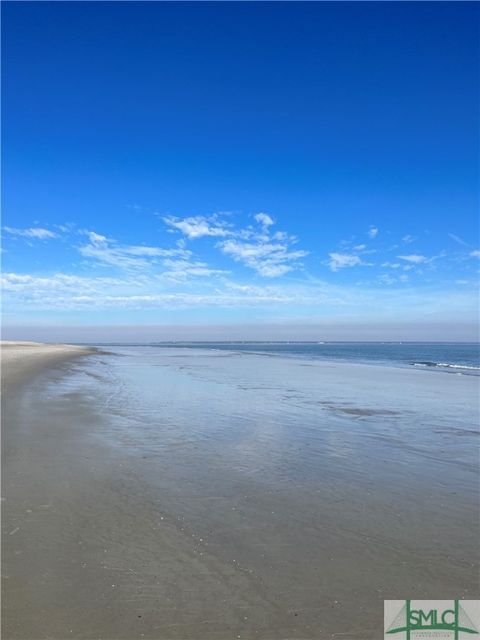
column 446, row 365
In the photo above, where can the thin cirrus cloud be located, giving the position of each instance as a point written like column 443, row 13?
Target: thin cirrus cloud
column 415, row 258
column 66, row 292
column 175, row 264
column 341, row 260
column 37, row 233
column 109, row 252
column 372, row 232
column 182, row 269
column 458, row 240
column 198, row 226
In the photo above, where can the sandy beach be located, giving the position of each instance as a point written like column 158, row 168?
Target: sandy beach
column 180, row 494
column 19, row 360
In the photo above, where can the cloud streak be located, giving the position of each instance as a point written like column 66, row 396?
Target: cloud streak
column 127, row 257
column 37, row 233
column 414, row 258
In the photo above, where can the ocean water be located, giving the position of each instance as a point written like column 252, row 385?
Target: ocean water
column 460, row 357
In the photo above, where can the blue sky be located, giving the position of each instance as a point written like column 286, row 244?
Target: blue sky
column 240, row 162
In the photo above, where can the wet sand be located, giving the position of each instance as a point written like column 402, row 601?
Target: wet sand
column 168, row 495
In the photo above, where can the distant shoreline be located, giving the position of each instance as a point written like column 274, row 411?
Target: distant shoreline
column 281, row 342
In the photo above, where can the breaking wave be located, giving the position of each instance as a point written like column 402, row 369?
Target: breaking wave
column 445, row 365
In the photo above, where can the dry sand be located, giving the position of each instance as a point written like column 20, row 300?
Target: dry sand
column 22, row 359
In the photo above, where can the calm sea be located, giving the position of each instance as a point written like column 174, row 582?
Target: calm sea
column 458, row 357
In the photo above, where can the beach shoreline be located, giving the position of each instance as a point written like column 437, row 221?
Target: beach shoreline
column 20, row 360
column 202, row 495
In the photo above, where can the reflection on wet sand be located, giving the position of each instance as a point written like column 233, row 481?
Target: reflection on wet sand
column 178, row 493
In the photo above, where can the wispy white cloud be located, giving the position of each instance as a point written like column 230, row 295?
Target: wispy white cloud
column 268, row 259
column 42, row 288
column 415, row 258
column 146, row 276
column 66, row 228
column 171, row 264
column 182, row 269
column 408, row 239
column 458, row 240
column 341, row 260
column 386, row 278
column 33, row 232
column 95, row 238
column 264, row 219
column 199, row 226
column 63, row 292
column 109, row 252
column 268, row 253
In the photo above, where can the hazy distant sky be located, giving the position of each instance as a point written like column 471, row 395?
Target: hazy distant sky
column 275, row 164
